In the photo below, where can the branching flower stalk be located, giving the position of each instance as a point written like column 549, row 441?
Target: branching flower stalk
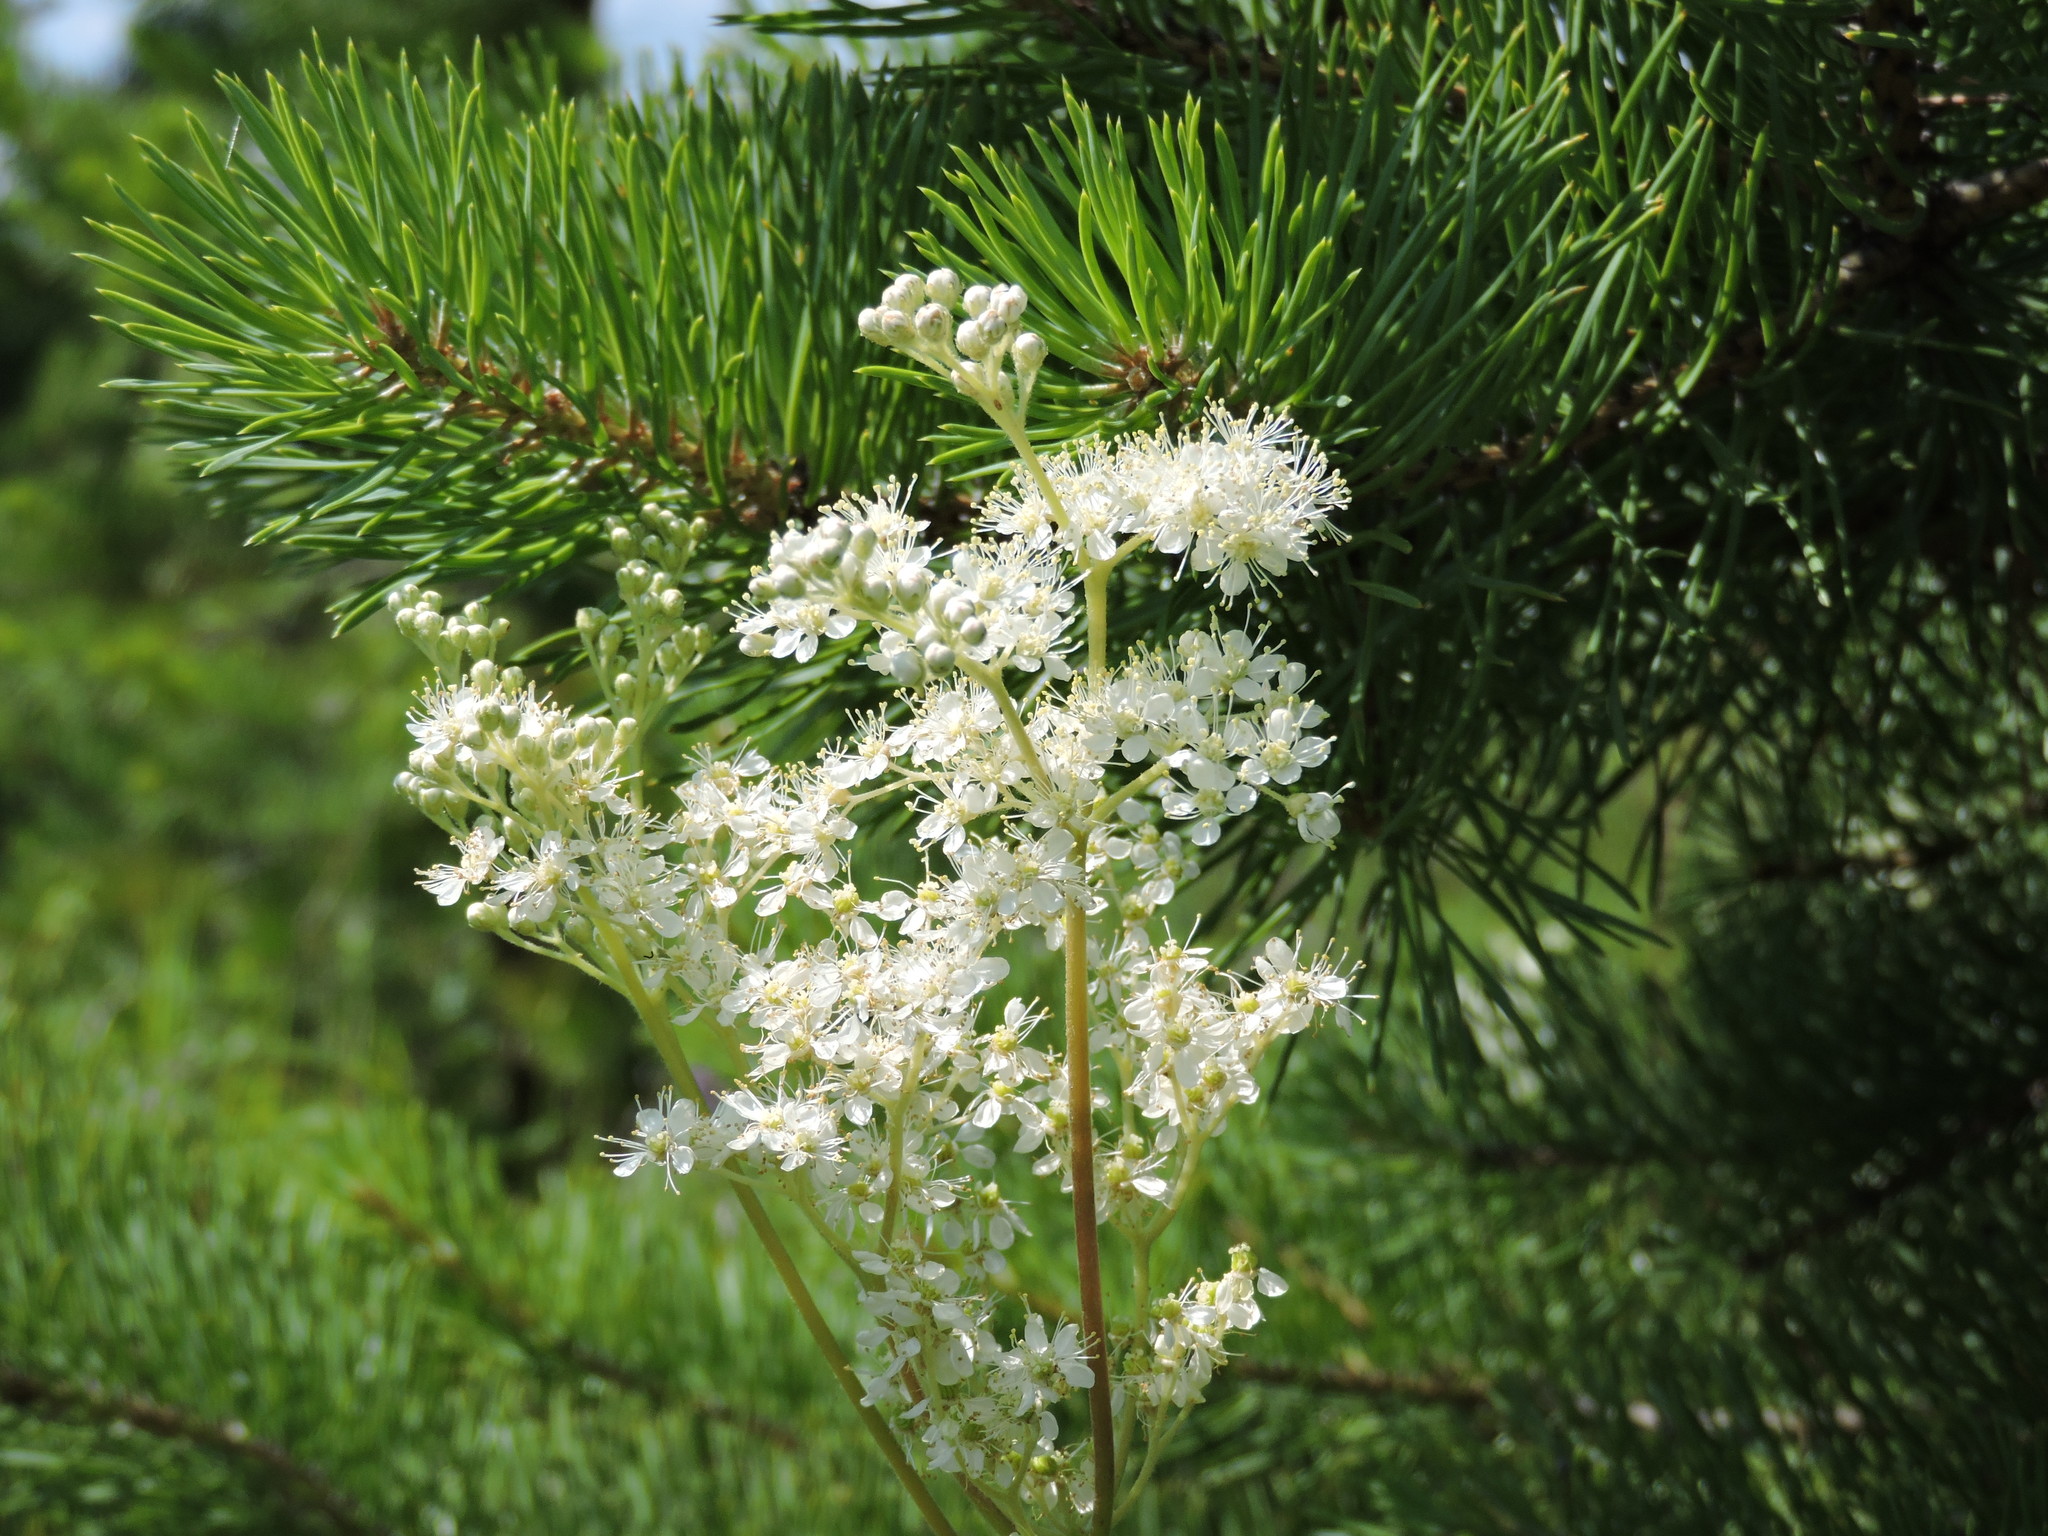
column 889, row 1098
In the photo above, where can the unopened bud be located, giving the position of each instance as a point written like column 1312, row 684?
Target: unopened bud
column 906, row 293
column 975, row 300
column 933, row 321
column 943, row 286
column 970, row 340
column 1029, row 351
column 907, row 668
column 939, row 658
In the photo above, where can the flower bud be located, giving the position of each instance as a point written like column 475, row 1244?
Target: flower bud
column 975, row 300
column 940, row 658
column 907, row 667
column 973, row 632
column 870, row 323
column 906, row 293
column 485, row 916
column 875, row 592
column 970, row 340
column 895, row 327
column 912, row 584
column 862, row 542
column 1029, row 351
column 933, row 322
column 1007, row 304
column 943, row 286
column 483, row 677
column 787, row 581
column 588, row 622
column 958, row 610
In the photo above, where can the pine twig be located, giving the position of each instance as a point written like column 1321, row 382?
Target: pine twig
column 1435, row 1389
column 526, row 1328
column 2005, row 1116
column 227, row 1437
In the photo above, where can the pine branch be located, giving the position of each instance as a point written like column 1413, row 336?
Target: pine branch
column 229, row 1438
column 2005, row 1115
column 1436, row 1389
column 1956, row 209
column 525, row 1327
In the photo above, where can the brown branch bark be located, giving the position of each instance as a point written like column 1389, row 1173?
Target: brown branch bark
column 226, row 1437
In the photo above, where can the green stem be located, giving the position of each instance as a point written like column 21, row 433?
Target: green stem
column 1028, row 457
column 899, row 1118
column 1007, row 706
column 1087, row 1238
column 1107, row 802
column 1095, row 587
column 678, row 1064
column 1154, row 1443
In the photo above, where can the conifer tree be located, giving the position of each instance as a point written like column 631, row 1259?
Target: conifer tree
column 1682, row 648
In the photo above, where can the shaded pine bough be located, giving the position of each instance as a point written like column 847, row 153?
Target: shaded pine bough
column 1053, row 792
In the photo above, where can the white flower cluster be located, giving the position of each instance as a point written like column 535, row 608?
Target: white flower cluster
column 1241, row 498
column 886, row 1092
column 915, row 317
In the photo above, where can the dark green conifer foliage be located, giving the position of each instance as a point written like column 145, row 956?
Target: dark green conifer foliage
column 1688, row 1173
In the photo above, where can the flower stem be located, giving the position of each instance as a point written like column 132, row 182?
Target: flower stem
column 1095, row 586
column 1087, row 1249
column 1154, row 1444
column 678, row 1064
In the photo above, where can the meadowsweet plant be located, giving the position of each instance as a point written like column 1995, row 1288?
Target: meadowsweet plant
column 894, row 1100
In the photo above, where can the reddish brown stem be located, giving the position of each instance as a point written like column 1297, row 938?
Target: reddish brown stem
column 1087, row 1249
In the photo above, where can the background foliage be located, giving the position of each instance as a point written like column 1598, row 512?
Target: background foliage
column 1688, row 1174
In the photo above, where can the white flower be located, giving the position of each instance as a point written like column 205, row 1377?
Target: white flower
column 536, row 882
column 1237, row 1292
column 1042, row 1368
column 480, row 847
column 1291, row 992
column 662, row 1138
column 1315, row 816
